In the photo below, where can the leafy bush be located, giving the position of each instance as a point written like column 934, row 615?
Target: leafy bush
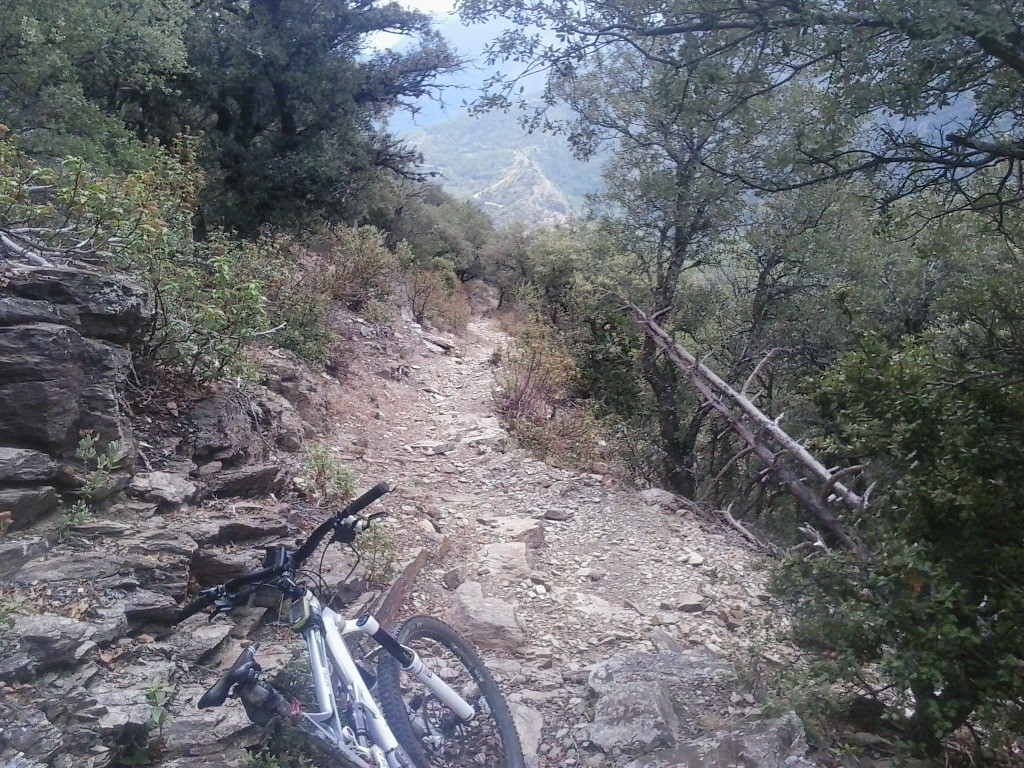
column 360, row 268
column 298, row 301
column 208, row 293
column 435, row 295
column 378, row 553
column 534, row 386
column 933, row 625
column 328, row 478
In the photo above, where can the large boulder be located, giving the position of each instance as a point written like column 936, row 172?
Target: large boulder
column 235, row 428
column 777, row 742
column 96, row 304
column 635, row 718
column 490, row 622
column 65, row 337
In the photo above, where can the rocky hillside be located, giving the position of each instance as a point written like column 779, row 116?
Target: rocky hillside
column 611, row 617
column 536, row 176
column 524, row 194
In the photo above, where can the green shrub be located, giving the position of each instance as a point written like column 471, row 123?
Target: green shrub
column 359, row 267
column 330, row 480
column 933, row 624
column 298, row 302
column 208, row 293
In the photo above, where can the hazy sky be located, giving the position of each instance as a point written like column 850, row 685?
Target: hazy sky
column 433, row 7
column 430, row 6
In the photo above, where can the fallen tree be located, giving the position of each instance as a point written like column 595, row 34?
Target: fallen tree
column 768, row 441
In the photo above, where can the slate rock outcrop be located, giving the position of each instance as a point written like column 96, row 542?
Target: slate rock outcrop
column 65, row 352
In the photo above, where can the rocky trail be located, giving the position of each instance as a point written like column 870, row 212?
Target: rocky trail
column 610, row 616
column 554, row 572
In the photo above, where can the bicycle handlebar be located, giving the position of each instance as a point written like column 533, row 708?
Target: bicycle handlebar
column 208, row 597
column 352, row 508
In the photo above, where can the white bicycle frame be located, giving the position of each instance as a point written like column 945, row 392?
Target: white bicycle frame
column 324, row 642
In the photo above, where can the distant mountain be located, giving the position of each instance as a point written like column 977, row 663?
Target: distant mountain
column 491, row 156
column 524, row 194
column 513, row 175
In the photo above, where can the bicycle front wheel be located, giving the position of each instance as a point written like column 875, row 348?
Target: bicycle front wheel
column 432, row 735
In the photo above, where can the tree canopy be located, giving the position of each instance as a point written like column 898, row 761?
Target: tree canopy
column 921, row 94
column 288, row 97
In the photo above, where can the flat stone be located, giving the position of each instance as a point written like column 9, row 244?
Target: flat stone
column 680, row 672
column 505, row 559
column 18, row 549
column 691, row 602
column 51, row 641
column 251, row 522
column 146, row 606
column 77, row 566
column 489, row 622
column 28, row 505
column 634, row 718
column 769, row 743
column 164, row 487
column 529, row 723
column 659, row 497
column 528, row 530
column 250, row 480
column 558, row 514
column 20, row 465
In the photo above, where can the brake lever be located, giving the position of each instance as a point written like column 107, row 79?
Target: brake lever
column 225, row 603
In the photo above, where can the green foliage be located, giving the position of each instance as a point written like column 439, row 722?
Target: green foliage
column 534, row 396
column 360, row 270
column 435, row 295
column 907, row 65
column 329, row 479
column 937, row 613
column 12, row 607
column 290, row 98
column 436, row 227
column 158, row 696
column 209, row 293
column 75, row 68
column 378, row 554
column 99, row 466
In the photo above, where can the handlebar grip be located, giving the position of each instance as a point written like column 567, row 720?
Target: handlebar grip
column 367, row 499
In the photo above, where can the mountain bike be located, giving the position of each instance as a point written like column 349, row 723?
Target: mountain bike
column 421, row 699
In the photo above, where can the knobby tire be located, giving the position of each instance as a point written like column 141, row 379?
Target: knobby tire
column 490, row 739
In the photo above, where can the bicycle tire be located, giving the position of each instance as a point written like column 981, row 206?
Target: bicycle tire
column 431, row 735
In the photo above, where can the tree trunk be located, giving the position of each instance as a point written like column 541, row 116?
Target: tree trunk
column 678, row 440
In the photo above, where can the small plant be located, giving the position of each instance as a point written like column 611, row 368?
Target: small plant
column 79, row 513
column 331, row 480
column 158, row 695
column 278, row 754
column 260, row 760
column 103, row 465
column 379, row 555
column 11, row 607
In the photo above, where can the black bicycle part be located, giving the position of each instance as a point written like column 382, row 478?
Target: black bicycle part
column 279, row 562
column 432, row 735
column 245, row 668
column 351, row 509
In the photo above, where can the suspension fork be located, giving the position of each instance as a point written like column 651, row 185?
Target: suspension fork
column 413, row 665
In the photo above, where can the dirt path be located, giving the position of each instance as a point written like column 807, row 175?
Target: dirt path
column 600, row 571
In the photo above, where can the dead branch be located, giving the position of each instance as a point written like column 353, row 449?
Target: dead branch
column 13, row 249
column 717, row 394
column 767, row 546
column 841, row 475
column 728, row 465
column 757, row 370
